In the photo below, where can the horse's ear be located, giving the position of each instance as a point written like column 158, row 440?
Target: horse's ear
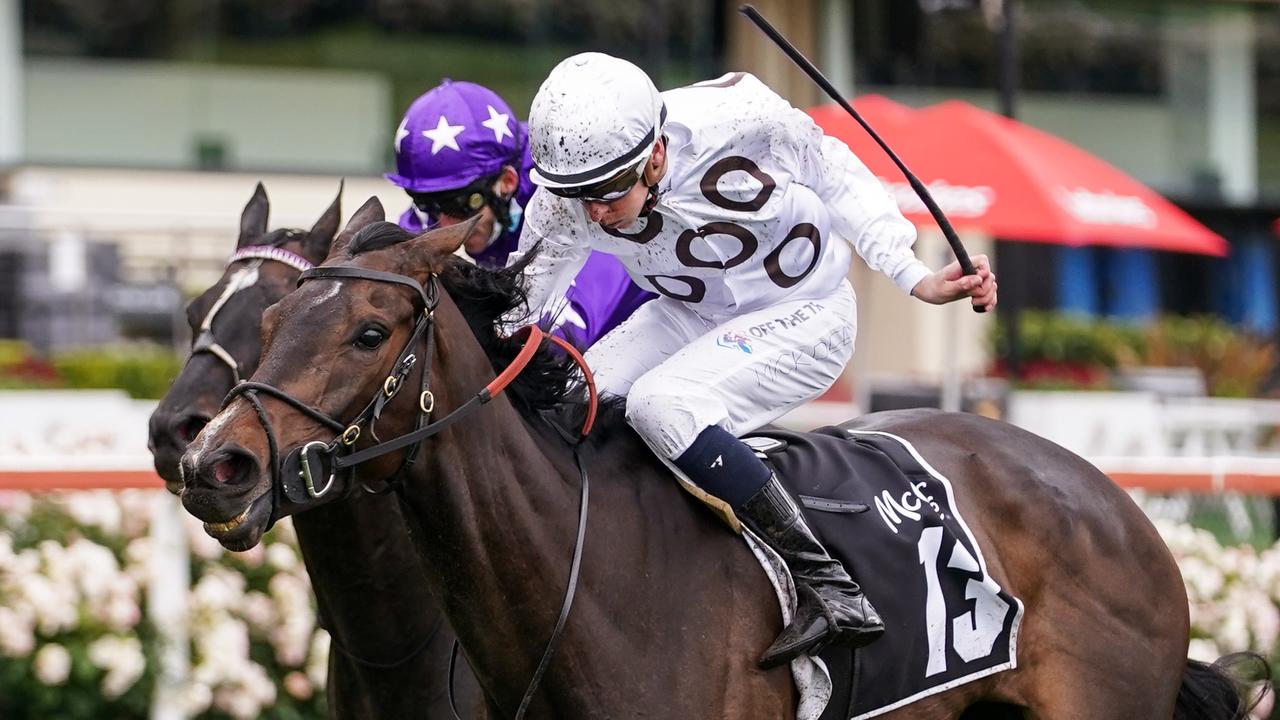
column 320, row 237
column 434, row 247
column 253, row 220
column 370, row 212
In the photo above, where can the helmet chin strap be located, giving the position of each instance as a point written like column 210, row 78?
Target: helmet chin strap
column 501, row 207
column 506, row 213
column 651, row 201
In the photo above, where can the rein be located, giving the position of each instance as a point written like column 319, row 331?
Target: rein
column 431, row 635
column 313, row 456
column 554, row 641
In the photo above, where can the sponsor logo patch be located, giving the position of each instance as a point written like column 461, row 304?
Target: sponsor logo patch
column 734, row 341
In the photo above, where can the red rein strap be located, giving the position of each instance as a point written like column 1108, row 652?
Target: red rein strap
column 591, row 381
column 531, row 345
column 518, row 365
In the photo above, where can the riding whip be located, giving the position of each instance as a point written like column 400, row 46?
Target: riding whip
column 966, row 266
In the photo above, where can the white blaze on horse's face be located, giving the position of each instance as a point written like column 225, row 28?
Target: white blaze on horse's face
column 243, row 278
column 197, row 447
column 330, row 293
column 205, row 341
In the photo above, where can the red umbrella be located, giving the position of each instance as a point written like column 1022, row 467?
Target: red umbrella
column 1013, row 181
column 878, row 110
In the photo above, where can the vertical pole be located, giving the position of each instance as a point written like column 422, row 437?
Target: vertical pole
column 1009, row 58
column 1231, row 104
column 170, row 571
column 835, row 47
column 951, row 397
column 836, row 44
column 751, row 51
column 1012, row 255
column 11, row 103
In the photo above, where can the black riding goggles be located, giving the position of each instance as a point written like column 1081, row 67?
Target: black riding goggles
column 608, row 190
column 460, row 204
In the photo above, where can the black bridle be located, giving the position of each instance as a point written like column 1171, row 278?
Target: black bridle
column 319, row 464
column 207, row 342
column 314, row 458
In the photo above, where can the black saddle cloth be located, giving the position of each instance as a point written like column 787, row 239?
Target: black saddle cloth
column 947, row 622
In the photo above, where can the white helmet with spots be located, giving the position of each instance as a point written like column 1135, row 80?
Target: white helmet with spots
column 594, row 116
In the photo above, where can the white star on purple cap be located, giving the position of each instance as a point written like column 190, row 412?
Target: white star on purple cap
column 499, row 123
column 444, row 135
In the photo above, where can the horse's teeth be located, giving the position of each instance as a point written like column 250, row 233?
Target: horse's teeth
column 228, row 526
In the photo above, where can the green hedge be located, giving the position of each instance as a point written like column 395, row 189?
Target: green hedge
column 21, row 368
column 1071, row 339
column 143, row 371
column 1235, row 363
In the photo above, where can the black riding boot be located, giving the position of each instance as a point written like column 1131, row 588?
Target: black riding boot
column 831, row 606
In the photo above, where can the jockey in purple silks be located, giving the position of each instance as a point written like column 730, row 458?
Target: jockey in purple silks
column 460, row 151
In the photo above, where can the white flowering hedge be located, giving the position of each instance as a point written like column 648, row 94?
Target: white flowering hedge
column 1234, row 592
column 75, row 641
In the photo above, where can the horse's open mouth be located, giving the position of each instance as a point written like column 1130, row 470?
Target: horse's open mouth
column 222, row 528
column 245, row 529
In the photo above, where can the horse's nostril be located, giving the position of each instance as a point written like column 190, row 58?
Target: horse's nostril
column 231, row 469
column 190, row 427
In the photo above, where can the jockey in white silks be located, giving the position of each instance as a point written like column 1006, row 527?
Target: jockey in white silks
column 735, row 208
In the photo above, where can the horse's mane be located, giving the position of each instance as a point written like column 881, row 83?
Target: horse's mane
column 376, row 236
column 551, row 383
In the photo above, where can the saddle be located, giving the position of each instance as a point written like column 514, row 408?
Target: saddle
column 881, row 509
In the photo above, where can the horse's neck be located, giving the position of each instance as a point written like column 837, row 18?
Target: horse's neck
column 367, row 577
column 498, row 506
column 498, row 514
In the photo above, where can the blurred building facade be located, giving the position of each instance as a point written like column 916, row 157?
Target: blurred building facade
column 180, row 106
column 1184, row 97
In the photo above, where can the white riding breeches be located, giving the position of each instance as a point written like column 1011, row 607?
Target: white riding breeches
column 682, row 373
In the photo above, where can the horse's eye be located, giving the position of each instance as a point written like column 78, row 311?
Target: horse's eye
column 370, row 339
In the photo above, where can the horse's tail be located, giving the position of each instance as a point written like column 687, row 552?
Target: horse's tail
column 1222, row 690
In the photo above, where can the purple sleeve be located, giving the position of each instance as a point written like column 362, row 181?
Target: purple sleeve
column 410, row 222
column 601, row 297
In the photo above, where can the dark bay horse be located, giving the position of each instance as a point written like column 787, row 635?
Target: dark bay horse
column 671, row 609
column 391, row 646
